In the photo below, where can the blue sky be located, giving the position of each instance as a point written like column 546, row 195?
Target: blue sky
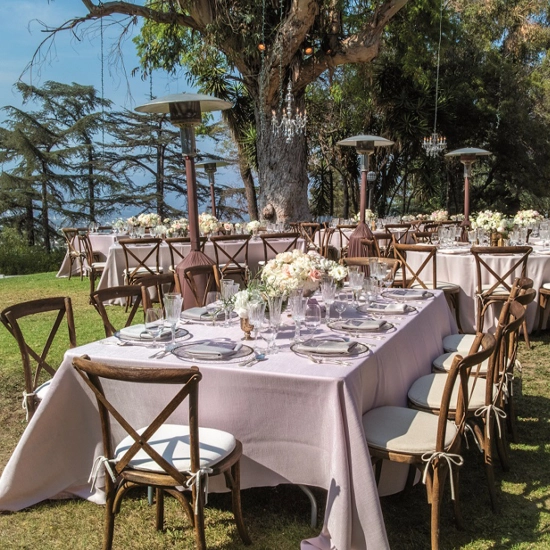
column 70, row 60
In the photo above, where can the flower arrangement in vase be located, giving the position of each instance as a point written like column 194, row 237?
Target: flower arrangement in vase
column 527, row 218
column 208, row 223
column 439, row 216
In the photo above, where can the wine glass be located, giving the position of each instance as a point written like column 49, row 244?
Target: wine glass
column 298, row 305
column 213, row 304
column 341, row 304
column 268, row 332
column 172, row 308
column 356, row 284
column 256, row 312
column 312, row 318
column 228, row 290
column 328, row 291
column 154, row 323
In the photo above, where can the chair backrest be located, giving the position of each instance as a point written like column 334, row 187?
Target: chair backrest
column 371, row 247
column 422, row 237
column 344, row 232
column 361, row 261
column 270, row 251
column 236, row 261
column 209, row 281
column 431, row 227
column 391, row 264
column 130, row 293
column 141, row 256
column 86, row 247
column 308, row 231
column 187, row 381
column 71, row 238
column 157, row 284
column 499, row 280
column 460, row 369
column 412, row 276
column 176, row 252
column 35, row 362
column 383, row 242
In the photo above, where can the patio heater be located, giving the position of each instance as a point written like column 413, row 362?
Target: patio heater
column 210, row 166
column 185, row 112
column 468, row 155
column 365, row 145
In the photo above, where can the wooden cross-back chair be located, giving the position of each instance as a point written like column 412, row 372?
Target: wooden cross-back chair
column 270, row 251
column 422, row 237
column 172, row 458
column 35, row 363
column 202, row 279
column 141, row 257
column 131, row 294
column 425, row 276
column 309, row 230
column 498, row 290
column 75, row 253
column 231, row 264
column 428, row 442
column 344, row 238
column 176, row 252
column 153, row 288
column 94, row 268
column 383, row 243
column 370, row 246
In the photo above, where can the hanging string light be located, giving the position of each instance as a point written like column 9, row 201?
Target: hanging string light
column 435, row 144
column 291, row 121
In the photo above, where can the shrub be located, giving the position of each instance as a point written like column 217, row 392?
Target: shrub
column 18, row 258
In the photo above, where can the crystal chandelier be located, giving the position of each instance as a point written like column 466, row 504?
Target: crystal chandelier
column 436, row 144
column 290, row 124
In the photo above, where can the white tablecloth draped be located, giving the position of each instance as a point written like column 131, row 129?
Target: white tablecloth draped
column 461, row 270
column 299, row 422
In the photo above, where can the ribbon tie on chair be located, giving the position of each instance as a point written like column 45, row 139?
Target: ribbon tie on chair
column 98, row 462
column 486, row 411
column 195, row 479
column 451, row 459
column 24, row 404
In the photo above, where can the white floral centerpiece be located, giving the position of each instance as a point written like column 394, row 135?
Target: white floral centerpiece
column 422, row 217
column 119, row 224
column 408, row 218
column 369, row 216
column 491, row 221
column 295, row 270
column 457, row 217
column 526, row 218
column 208, row 223
column 228, row 227
column 178, row 228
column 253, row 226
column 148, row 220
column 439, row 215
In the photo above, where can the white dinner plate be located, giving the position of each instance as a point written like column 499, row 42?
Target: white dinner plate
column 185, row 353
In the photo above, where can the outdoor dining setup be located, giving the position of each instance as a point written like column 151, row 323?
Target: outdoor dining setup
column 351, row 356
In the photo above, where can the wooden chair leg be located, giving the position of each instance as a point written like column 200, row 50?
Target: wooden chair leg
column 109, row 527
column 488, row 463
column 543, row 303
column 200, row 538
column 234, row 479
column 159, row 515
column 456, row 502
column 439, row 475
column 526, row 334
column 511, row 416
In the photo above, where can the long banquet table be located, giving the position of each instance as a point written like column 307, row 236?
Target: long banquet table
column 458, row 266
column 299, row 422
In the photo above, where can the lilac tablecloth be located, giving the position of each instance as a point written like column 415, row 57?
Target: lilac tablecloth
column 299, row 422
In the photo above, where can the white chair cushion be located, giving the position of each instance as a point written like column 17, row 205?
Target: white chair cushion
column 459, row 342
column 99, row 265
column 546, row 286
column 404, row 430
column 171, row 441
column 499, row 290
column 444, row 362
column 143, row 270
column 427, row 392
column 441, row 285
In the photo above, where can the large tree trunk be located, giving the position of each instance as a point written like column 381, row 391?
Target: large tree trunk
column 91, row 182
column 282, row 169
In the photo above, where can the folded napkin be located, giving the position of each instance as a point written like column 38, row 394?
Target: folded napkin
column 360, row 324
column 458, row 250
column 213, row 349
column 197, row 313
column 327, row 347
column 138, row 332
column 401, row 308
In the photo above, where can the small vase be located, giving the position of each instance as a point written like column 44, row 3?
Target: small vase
column 494, row 238
column 247, row 328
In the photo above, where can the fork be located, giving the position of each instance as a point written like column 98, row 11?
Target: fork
column 328, row 361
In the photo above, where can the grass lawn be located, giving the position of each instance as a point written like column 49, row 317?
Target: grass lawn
column 278, row 518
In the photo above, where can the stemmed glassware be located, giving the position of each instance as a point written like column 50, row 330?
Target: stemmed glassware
column 341, row 303
column 312, row 318
column 213, row 304
column 172, row 308
column 298, row 305
column 328, row 291
column 275, row 304
column 154, row 323
column 256, row 311
column 356, row 285
column 228, row 289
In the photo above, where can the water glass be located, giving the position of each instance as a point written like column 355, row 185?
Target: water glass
column 275, row 304
column 328, row 292
column 256, row 312
column 173, row 303
column 298, row 304
column 312, row 318
column 154, row 323
column 356, row 285
column 213, row 304
column 341, row 304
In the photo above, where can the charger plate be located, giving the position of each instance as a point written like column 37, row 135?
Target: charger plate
column 185, row 354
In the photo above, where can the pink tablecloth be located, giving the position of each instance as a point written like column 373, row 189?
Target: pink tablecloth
column 299, row 422
column 461, row 270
